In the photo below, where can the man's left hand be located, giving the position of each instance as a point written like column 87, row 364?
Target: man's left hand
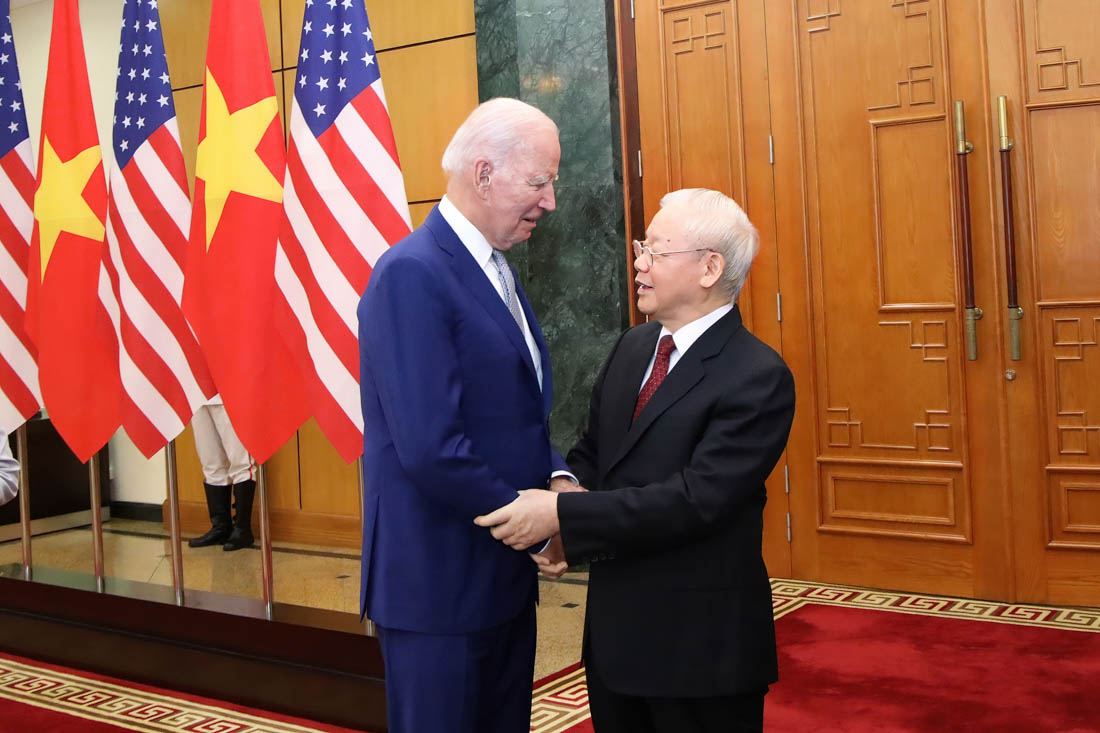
column 551, row 561
column 529, row 519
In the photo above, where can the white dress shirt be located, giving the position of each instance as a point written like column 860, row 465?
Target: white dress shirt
column 9, row 471
column 687, row 335
column 482, row 252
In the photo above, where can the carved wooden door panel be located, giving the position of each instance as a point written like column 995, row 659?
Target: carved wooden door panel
column 704, row 122
column 1052, row 87
column 912, row 463
column 897, row 466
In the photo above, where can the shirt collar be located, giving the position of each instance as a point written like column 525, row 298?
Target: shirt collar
column 468, row 234
column 689, row 333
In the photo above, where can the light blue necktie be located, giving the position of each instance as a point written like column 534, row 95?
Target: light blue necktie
column 508, row 286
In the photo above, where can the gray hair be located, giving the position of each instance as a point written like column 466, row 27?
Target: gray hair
column 716, row 221
column 496, row 130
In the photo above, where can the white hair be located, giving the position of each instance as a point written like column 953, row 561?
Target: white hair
column 716, row 222
column 496, row 130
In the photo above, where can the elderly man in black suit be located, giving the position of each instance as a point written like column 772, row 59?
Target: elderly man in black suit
column 689, row 415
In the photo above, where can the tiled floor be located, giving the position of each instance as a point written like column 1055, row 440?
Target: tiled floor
column 303, row 575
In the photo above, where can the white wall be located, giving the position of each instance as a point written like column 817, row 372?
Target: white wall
column 134, row 478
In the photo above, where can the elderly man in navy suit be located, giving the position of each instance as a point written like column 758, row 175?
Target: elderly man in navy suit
column 688, row 417
column 456, row 391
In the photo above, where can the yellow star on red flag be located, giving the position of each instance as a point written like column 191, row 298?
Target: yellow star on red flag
column 227, row 158
column 59, row 204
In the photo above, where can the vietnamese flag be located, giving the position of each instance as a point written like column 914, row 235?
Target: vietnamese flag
column 66, row 318
column 229, row 285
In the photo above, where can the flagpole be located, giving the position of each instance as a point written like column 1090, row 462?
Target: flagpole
column 174, row 521
column 24, row 499
column 265, row 542
column 368, row 628
column 97, row 520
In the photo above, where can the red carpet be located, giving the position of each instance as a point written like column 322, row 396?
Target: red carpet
column 859, row 660
column 35, row 696
column 854, row 670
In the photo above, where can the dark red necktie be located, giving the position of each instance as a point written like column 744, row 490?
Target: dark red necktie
column 660, row 369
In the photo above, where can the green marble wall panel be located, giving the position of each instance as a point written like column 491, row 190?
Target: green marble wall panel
column 559, row 55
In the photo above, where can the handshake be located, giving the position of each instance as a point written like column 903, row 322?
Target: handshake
column 529, row 520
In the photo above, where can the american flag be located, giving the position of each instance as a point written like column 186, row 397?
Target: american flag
column 19, row 395
column 164, row 376
column 344, row 201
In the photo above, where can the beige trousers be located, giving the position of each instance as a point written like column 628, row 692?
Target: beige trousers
column 224, row 460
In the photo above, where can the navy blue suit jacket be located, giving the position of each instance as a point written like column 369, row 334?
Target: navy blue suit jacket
column 454, row 425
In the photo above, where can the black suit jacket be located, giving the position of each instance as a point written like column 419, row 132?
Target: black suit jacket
column 679, row 603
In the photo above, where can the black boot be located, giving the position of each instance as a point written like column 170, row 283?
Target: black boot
column 217, row 503
column 241, row 537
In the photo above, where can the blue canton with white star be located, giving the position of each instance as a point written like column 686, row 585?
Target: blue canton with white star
column 336, row 61
column 143, row 96
column 13, row 119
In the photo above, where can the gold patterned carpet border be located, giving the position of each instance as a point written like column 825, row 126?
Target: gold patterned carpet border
column 127, row 707
column 562, row 702
column 789, row 595
column 558, row 705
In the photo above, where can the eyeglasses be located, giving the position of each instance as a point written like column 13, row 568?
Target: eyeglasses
column 640, row 249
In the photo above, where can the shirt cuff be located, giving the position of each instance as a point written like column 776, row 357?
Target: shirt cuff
column 565, row 474
column 533, row 551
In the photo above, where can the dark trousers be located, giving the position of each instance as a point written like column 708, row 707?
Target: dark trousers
column 616, row 713
column 460, row 683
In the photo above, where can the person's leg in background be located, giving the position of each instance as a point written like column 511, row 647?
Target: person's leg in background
column 216, row 481
column 242, row 475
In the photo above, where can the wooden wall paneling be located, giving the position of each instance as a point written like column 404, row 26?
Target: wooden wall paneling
column 430, row 90
column 186, row 28
column 791, row 224
column 189, row 477
column 1066, row 182
column 329, row 485
column 293, row 13
column 326, row 530
column 1044, row 61
column 894, row 482
column 274, row 31
column 1062, row 59
column 985, row 412
column 394, row 23
column 397, row 23
column 704, row 122
column 281, row 97
column 419, row 211
column 290, row 76
column 188, row 104
column 627, row 72
column 284, row 478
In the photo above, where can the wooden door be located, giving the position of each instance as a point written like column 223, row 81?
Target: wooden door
column 1045, row 59
column 897, row 462
column 704, row 122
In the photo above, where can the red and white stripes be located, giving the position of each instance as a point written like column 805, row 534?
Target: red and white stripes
column 164, row 376
column 344, row 204
column 19, row 394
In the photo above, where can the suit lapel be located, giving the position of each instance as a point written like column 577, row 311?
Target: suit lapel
column 687, row 374
column 624, row 380
column 474, row 280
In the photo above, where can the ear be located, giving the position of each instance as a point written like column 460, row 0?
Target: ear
column 713, row 265
column 483, row 177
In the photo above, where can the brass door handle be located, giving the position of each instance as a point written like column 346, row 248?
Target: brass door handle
column 1015, row 312
column 963, row 147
